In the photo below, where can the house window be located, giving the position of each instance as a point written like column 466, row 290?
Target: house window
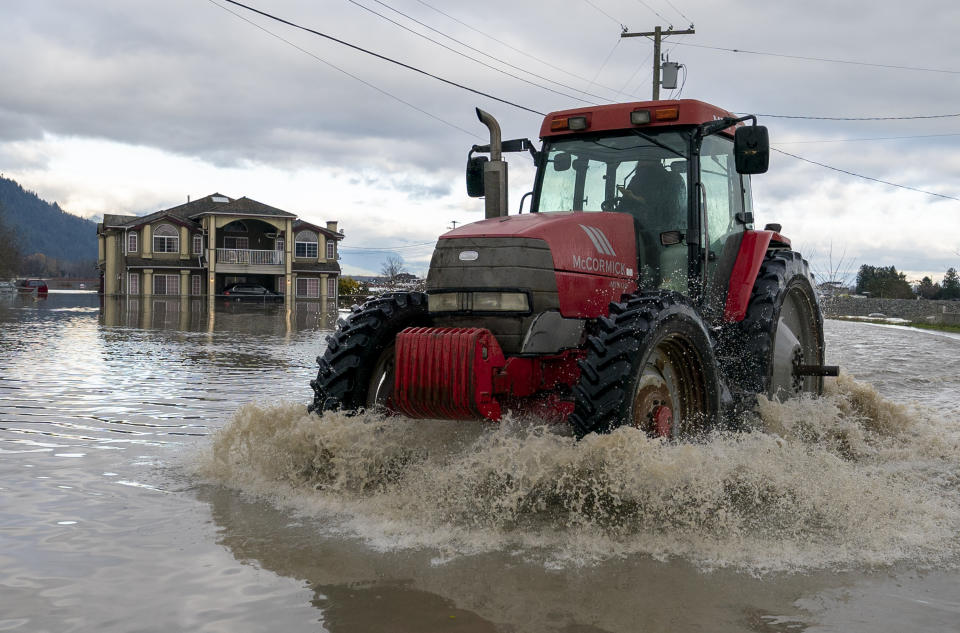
column 278, row 245
column 166, row 239
column 132, row 242
column 332, row 287
column 240, row 243
column 133, row 284
column 166, row 284
column 237, row 226
column 308, row 286
column 195, row 281
column 306, row 245
column 331, row 252
column 197, row 244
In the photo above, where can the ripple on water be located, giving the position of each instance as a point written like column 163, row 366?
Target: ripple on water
column 847, row 479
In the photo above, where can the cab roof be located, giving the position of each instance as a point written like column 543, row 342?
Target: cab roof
column 617, row 116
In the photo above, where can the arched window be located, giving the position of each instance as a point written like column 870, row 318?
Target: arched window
column 306, row 244
column 235, row 235
column 237, row 226
column 166, row 239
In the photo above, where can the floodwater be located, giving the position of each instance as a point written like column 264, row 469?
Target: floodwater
column 158, row 473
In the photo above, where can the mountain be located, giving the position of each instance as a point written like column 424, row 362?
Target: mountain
column 45, row 228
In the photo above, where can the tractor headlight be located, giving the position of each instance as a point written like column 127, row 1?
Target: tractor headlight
column 445, row 302
column 500, row 302
column 478, row 301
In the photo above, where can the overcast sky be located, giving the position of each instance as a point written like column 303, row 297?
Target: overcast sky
column 120, row 106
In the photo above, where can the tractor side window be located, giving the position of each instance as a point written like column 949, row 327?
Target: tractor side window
column 724, row 189
column 724, row 195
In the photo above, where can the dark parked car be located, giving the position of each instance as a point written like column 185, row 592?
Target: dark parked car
column 33, row 285
column 238, row 292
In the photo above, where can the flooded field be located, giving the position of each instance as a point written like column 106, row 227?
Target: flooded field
column 158, row 472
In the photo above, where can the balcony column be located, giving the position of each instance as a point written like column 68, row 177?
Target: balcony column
column 146, row 242
column 184, row 284
column 288, row 261
column 147, row 289
column 211, row 257
column 111, row 272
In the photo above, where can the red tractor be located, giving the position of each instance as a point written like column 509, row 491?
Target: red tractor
column 634, row 291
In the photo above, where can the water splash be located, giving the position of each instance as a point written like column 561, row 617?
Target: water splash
column 846, row 479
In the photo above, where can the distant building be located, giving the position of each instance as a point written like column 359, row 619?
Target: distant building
column 201, row 247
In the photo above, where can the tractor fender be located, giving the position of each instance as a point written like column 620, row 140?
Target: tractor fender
column 753, row 249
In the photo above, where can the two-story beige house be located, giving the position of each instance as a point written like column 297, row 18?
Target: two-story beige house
column 201, row 247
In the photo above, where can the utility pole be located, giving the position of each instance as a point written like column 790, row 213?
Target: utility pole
column 453, row 224
column 658, row 34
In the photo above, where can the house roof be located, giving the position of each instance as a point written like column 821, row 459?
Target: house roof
column 318, row 267
column 299, row 225
column 111, row 220
column 162, row 215
column 240, row 206
column 189, row 213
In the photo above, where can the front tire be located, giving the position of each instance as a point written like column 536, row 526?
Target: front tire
column 356, row 370
column 650, row 364
column 782, row 329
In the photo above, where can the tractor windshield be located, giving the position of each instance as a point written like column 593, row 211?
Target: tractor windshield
column 643, row 174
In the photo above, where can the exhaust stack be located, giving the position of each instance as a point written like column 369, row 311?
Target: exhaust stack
column 494, row 171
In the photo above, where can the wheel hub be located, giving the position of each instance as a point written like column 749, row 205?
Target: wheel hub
column 652, row 404
column 662, row 418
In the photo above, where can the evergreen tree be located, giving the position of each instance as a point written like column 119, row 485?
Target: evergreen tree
column 951, row 285
column 10, row 257
column 884, row 282
column 927, row 289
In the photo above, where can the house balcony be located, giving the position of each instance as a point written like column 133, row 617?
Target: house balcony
column 241, row 260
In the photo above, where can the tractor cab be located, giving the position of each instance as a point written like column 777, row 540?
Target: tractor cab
column 679, row 169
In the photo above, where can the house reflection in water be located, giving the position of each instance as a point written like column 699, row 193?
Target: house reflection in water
column 200, row 315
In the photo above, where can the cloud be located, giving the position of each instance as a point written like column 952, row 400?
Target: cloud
column 114, row 106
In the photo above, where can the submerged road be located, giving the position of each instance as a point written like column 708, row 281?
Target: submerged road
column 157, row 472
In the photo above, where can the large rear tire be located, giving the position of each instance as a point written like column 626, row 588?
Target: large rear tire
column 650, row 364
column 782, row 330
column 356, row 370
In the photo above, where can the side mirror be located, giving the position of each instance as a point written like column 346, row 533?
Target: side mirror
column 561, row 162
column 475, row 176
column 751, row 149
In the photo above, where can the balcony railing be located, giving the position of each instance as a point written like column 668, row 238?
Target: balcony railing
column 252, row 258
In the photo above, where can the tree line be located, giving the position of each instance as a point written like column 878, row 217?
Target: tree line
column 886, row 282
column 14, row 262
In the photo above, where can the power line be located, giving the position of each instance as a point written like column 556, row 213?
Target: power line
column 865, row 118
column 604, row 64
column 283, row 21
column 386, row 248
column 606, row 14
column 873, row 138
column 514, row 48
column 850, row 173
column 464, row 55
column 529, row 72
column 825, row 59
column 689, row 21
column 348, row 74
column 657, row 13
column 383, row 57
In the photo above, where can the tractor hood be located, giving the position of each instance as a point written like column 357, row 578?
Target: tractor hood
column 595, row 244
